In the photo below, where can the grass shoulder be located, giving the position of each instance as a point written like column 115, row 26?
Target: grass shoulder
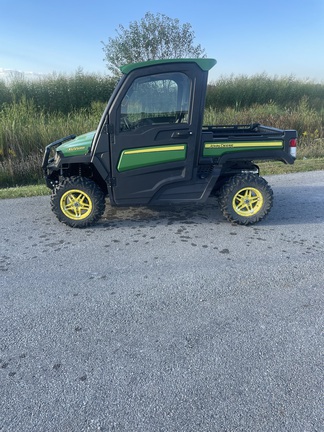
column 300, row 165
column 24, row 191
column 266, row 168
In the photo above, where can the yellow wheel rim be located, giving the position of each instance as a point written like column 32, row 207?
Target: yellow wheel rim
column 247, row 202
column 76, row 204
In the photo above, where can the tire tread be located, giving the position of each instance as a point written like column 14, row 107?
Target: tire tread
column 232, row 186
column 91, row 188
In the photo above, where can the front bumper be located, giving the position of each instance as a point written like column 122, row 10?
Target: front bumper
column 47, row 161
column 54, row 144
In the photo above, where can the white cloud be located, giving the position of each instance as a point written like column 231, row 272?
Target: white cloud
column 12, row 73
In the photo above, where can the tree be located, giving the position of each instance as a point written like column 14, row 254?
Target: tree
column 153, row 37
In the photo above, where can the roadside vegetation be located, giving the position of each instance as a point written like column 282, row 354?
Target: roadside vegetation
column 35, row 113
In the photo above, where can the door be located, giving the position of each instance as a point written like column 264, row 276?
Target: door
column 153, row 145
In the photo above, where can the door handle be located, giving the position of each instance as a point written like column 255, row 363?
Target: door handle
column 182, row 134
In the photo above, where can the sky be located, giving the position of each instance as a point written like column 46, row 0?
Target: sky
column 246, row 37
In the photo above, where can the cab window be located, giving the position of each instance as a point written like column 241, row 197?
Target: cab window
column 156, row 99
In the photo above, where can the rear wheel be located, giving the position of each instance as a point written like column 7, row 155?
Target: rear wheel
column 245, row 199
column 78, row 202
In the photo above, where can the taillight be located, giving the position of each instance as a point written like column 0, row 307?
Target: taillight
column 293, row 147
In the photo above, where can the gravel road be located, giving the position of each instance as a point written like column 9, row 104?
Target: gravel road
column 169, row 319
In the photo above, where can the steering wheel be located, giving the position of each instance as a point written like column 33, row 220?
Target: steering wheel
column 125, row 123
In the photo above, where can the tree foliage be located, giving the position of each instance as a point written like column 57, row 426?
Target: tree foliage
column 153, row 37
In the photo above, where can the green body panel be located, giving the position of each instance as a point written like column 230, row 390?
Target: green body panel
column 214, row 149
column 146, row 156
column 204, row 63
column 78, row 146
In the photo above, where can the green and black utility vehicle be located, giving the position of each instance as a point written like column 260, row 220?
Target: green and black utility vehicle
column 151, row 148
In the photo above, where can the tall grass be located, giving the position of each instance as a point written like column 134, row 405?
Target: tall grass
column 244, row 91
column 58, row 92
column 35, row 113
column 308, row 122
column 64, row 93
column 26, row 130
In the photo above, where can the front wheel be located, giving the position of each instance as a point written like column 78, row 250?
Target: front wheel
column 78, row 202
column 245, row 199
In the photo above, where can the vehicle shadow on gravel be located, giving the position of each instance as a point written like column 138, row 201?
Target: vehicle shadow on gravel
column 305, row 206
column 167, row 215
